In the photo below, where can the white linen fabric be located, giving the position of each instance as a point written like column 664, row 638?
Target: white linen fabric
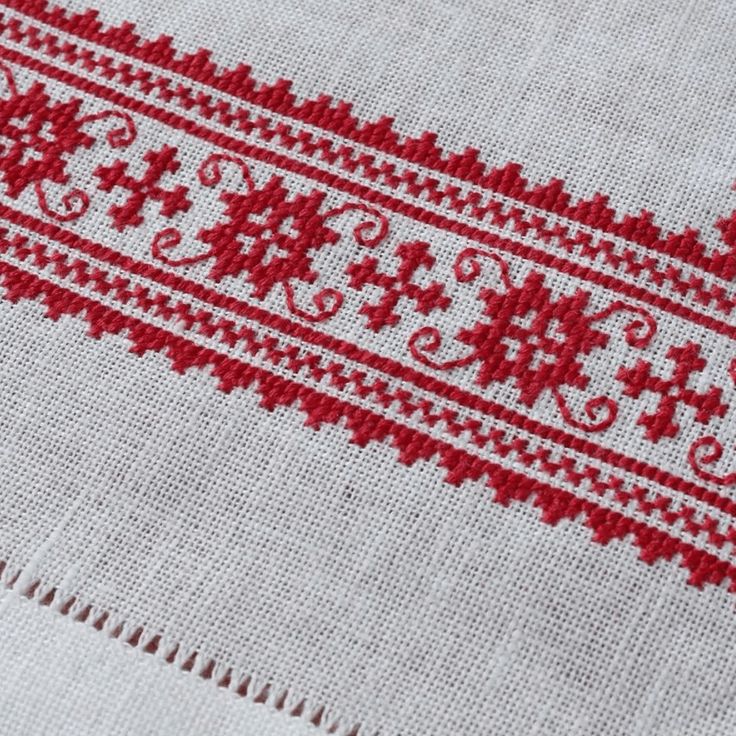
column 318, row 585
column 64, row 679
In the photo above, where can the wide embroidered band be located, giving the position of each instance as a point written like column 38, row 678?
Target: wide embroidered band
column 501, row 329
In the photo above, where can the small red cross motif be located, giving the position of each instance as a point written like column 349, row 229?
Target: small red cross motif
column 412, row 256
column 674, row 391
column 147, row 187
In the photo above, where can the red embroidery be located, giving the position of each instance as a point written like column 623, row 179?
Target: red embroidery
column 366, row 426
column 628, row 261
column 37, row 135
column 335, row 117
column 673, row 391
column 532, row 338
column 147, row 187
column 412, row 257
column 708, row 451
column 515, row 331
column 269, row 236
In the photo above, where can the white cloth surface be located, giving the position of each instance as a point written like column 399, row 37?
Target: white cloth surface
column 407, row 606
column 381, row 596
column 62, row 677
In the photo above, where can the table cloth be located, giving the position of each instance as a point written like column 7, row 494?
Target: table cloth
column 367, row 368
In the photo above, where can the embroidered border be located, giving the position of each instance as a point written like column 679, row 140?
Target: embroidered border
column 268, row 235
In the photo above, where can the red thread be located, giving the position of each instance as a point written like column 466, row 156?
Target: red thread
column 160, row 305
column 600, row 410
column 412, row 257
column 389, row 202
column 119, row 137
column 532, row 338
column 210, row 170
column 638, row 332
column 467, row 267
column 75, row 202
column 147, row 187
column 673, row 391
column 365, row 426
column 381, row 363
column 168, row 239
column 708, row 451
column 327, row 301
column 336, row 117
column 368, row 232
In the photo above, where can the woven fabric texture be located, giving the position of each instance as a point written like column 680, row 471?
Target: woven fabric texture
column 367, row 368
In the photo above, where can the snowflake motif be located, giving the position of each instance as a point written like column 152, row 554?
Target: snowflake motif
column 268, row 237
column 533, row 339
column 35, row 137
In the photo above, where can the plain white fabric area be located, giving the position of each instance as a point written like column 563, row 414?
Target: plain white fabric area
column 405, row 605
column 61, row 677
column 336, row 575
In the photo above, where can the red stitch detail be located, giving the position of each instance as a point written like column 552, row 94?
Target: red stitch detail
column 365, row 426
column 268, row 236
column 600, row 410
column 83, row 274
column 336, row 117
column 638, row 332
column 40, row 134
column 390, row 202
column 412, row 257
column 119, row 137
column 381, row 363
column 75, row 203
column 533, row 339
column 368, row 232
column 147, row 187
column 708, row 451
column 210, row 170
column 673, row 391
column 467, row 267
column 327, row 301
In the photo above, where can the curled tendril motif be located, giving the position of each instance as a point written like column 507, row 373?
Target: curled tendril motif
column 468, row 267
column 368, row 232
column 75, row 203
column 210, row 173
column 210, row 170
column 328, row 302
column 120, row 136
column 708, row 451
column 600, row 410
column 638, row 332
column 168, row 239
column 426, row 342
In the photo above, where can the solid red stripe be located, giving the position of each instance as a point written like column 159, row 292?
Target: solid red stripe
column 367, row 426
column 373, row 360
column 392, row 203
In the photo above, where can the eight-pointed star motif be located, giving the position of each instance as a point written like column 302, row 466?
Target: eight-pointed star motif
column 533, row 338
column 36, row 135
column 268, row 236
